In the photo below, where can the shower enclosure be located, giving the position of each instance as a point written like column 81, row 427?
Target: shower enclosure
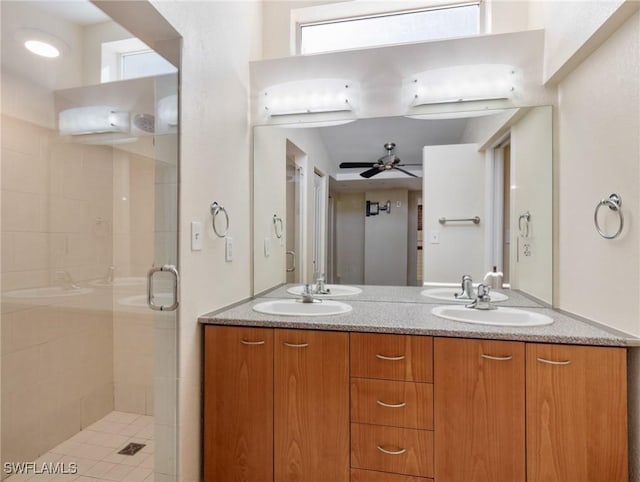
column 89, row 178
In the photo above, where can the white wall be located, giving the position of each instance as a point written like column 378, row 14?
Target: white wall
column 532, row 191
column 453, row 187
column 598, row 125
column 220, row 38
column 385, row 240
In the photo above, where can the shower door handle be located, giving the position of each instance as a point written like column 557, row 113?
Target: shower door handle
column 167, row 268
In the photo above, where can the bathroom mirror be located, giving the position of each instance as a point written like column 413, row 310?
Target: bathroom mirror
column 443, row 196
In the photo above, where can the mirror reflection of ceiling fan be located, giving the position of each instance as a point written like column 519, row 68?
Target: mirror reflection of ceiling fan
column 388, row 162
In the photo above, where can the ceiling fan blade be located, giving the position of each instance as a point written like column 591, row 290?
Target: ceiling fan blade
column 406, row 172
column 356, row 164
column 371, row 172
column 416, row 164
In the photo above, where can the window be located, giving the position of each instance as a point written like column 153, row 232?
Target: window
column 390, row 28
column 130, row 59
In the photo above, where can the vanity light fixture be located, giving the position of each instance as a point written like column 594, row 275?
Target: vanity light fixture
column 95, row 119
column 167, row 112
column 311, row 96
column 41, row 43
column 463, row 83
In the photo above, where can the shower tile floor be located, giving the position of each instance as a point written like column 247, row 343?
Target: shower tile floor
column 95, row 451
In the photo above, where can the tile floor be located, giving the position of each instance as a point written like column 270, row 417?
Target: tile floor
column 95, row 451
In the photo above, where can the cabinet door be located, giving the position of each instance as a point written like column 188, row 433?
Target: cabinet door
column 479, row 410
column 311, row 406
column 576, row 413
column 238, row 404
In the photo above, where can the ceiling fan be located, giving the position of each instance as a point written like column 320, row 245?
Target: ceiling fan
column 387, row 162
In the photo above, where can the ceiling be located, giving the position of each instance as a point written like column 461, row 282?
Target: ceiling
column 79, row 12
column 363, row 141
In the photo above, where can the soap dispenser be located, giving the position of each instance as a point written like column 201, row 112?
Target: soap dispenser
column 493, row 279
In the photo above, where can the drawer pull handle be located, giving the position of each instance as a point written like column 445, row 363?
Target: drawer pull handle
column 391, row 452
column 497, row 358
column 246, row 342
column 391, row 405
column 389, row 358
column 551, row 362
column 296, row 345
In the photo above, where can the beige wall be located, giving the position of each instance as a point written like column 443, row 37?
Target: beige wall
column 349, row 234
column 219, row 40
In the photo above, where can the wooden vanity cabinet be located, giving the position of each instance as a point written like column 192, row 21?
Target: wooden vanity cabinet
column 311, row 406
column 576, row 413
column 238, row 404
column 479, row 399
column 276, row 405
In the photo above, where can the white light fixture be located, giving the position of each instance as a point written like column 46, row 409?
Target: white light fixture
column 463, row 83
column 41, row 43
column 167, row 112
column 95, row 119
column 311, row 96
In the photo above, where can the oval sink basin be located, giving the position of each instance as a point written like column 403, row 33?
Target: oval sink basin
column 448, row 294
column 334, row 290
column 502, row 316
column 46, row 292
column 119, row 282
column 296, row 308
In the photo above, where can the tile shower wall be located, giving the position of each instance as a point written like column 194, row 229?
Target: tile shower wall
column 57, row 353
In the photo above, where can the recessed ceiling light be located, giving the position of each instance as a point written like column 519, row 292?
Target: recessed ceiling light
column 43, row 49
column 41, row 43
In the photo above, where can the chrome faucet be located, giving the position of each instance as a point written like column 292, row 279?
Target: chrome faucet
column 319, row 286
column 66, row 281
column 483, row 300
column 307, row 294
column 467, row 289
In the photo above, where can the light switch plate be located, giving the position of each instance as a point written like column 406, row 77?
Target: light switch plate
column 228, row 249
column 267, row 247
column 196, row 236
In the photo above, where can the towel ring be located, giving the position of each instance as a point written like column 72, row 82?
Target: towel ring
column 215, row 210
column 613, row 202
column 524, row 228
column 277, row 220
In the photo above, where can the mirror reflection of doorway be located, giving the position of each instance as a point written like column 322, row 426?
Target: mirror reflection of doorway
column 293, row 234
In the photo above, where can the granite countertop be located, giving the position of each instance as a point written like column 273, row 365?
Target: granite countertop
column 416, row 318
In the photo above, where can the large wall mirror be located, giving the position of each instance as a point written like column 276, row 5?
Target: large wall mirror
column 406, row 201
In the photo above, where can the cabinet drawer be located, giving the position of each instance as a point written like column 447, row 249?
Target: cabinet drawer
column 390, row 449
column 388, row 402
column 358, row 475
column 392, row 357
